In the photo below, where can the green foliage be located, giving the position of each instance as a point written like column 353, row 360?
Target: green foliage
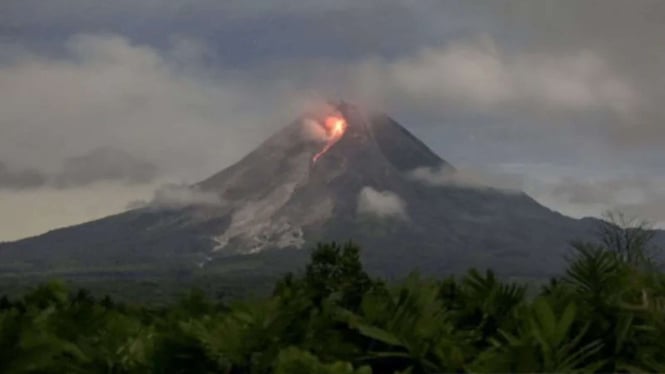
column 544, row 342
column 605, row 314
column 417, row 333
column 334, row 270
column 295, row 361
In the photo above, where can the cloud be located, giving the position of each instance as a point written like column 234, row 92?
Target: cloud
column 564, row 189
column 19, row 179
column 278, row 28
column 161, row 105
column 113, row 115
column 465, row 177
column 105, row 164
column 168, row 105
column 455, row 84
column 625, row 34
column 383, row 204
column 610, row 191
column 192, row 105
column 99, row 165
column 174, row 196
column 579, row 193
column 478, row 76
column 640, row 197
column 429, row 55
column 652, row 211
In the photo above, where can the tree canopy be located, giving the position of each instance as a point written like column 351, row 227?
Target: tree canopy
column 605, row 314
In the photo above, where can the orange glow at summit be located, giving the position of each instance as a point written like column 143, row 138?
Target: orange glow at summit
column 335, row 127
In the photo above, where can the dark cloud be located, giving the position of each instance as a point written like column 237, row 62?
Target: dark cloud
column 590, row 63
column 20, row 179
column 105, row 164
column 241, row 32
column 99, row 165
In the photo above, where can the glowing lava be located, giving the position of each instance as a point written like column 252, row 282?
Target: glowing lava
column 335, row 127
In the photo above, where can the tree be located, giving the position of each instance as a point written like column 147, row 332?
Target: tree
column 333, row 269
column 544, row 342
column 629, row 237
column 409, row 328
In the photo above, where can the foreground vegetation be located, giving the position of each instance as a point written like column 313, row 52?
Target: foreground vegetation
column 605, row 314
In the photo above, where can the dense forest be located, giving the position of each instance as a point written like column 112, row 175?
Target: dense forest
column 605, row 314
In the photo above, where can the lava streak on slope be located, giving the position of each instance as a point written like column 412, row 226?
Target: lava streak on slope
column 335, row 127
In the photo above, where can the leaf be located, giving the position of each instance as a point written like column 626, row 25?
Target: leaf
column 545, row 318
column 622, row 330
column 564, row 324
column 293, row 360
column 378, row 334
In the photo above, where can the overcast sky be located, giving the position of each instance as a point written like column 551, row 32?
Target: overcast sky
column 102, row 102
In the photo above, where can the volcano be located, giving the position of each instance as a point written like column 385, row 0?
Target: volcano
column 352, row 180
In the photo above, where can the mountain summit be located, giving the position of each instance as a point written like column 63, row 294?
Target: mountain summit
column 342, row 175
column 303, row 180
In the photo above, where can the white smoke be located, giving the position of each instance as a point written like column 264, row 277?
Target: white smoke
column 312, row 130
column 383, row 204
column 316, row 111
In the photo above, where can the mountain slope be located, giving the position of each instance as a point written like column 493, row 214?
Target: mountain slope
column 276, row 202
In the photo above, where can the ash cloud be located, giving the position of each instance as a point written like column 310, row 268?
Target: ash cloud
column 382, row 204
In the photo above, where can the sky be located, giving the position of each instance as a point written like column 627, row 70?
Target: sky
column 102, row 103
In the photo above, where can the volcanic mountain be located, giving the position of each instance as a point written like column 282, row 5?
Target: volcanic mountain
column 317, row 180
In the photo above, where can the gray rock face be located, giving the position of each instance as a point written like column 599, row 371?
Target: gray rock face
column 277, row 203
